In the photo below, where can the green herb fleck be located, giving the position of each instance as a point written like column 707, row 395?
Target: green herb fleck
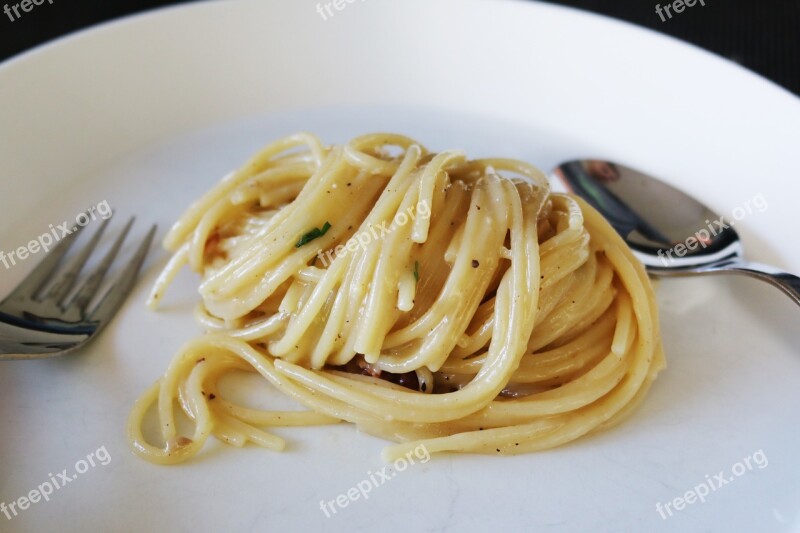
column 416, row 271
column 313, row 234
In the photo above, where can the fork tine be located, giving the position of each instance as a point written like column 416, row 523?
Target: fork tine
column 34, row 281
column 67, row 279
column 124, row 283
column 92, row 283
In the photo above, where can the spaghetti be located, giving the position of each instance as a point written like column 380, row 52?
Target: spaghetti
column 423, row 296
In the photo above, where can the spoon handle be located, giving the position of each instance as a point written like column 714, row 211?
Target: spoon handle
column 788, row 283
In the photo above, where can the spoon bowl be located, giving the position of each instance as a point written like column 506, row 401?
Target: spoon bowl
column 670, row 232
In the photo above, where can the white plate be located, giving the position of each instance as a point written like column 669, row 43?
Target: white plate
column 147, row 113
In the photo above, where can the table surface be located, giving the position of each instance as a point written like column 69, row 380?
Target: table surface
column 761, row 35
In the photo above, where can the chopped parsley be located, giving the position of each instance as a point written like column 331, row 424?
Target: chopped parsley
column 416, row 271
column 313, row 234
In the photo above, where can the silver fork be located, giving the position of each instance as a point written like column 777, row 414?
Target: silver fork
column 35, row 326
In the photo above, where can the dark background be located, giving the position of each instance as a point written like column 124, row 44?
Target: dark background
column 762, row 35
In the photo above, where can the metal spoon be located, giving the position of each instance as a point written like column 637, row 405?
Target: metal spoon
column 670, row 232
